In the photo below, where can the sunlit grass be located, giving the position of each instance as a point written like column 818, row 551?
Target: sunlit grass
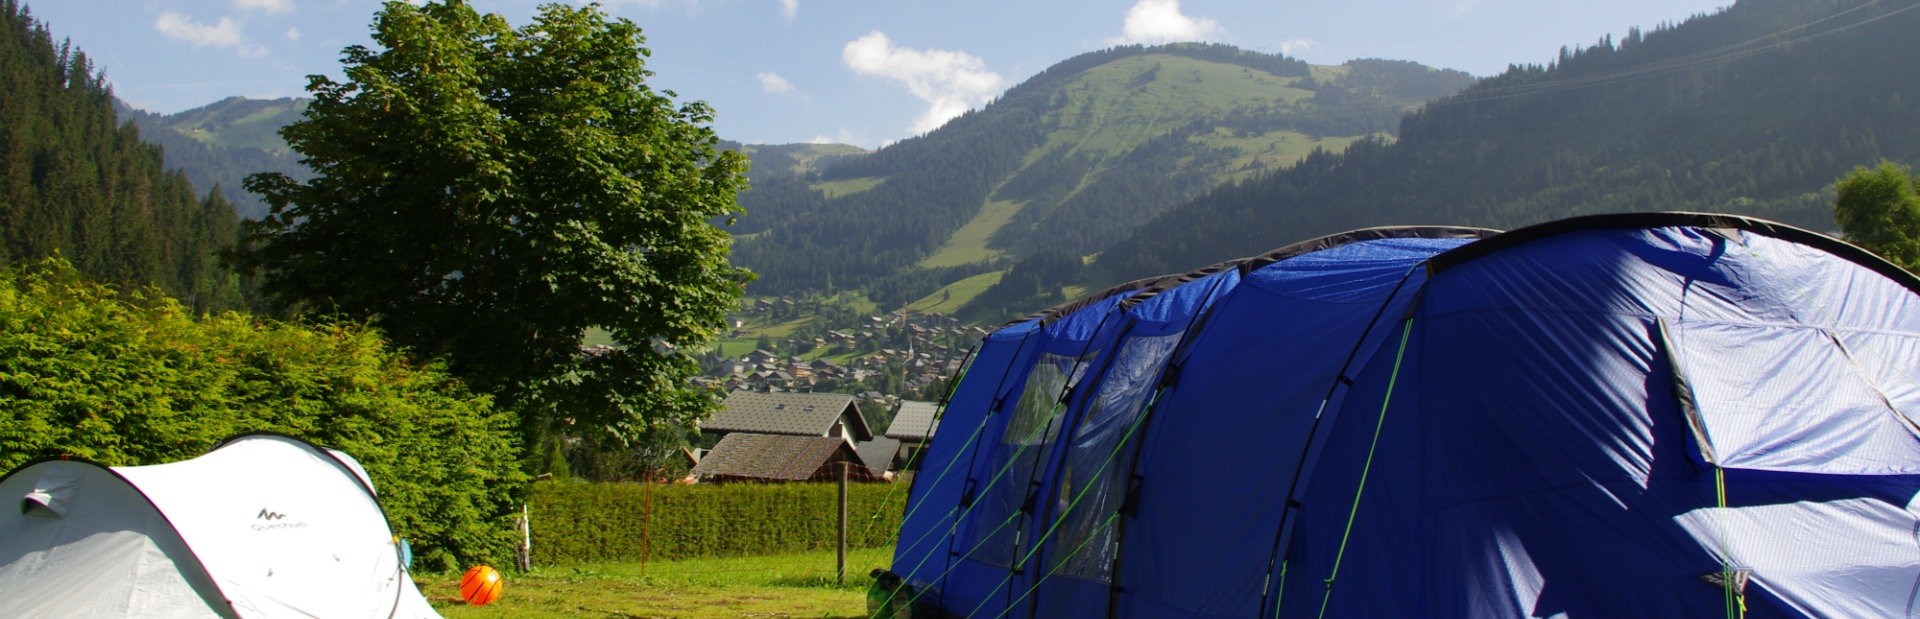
column 949, row 300
column 835, row 189
column 969, row 243
column 795, row 585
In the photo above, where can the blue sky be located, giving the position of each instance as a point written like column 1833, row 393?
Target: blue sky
column 863, row 72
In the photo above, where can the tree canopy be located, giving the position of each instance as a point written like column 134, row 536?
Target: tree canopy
column 487, row 195
column 1879, row 209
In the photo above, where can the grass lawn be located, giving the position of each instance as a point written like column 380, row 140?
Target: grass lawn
column 797, row 586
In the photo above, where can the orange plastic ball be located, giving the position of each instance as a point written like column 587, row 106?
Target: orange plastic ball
column 481, row 585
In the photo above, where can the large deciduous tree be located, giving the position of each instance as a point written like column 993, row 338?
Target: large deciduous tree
column 488, row 195
column 1879, row 209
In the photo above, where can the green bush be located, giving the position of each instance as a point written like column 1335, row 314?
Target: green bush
column 136, row 379
column 579, row 522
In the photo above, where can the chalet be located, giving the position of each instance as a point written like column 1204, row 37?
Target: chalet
column 913, row 425
column 880, row 455
column 787, row 437
column 793, row 414
column 751, row 457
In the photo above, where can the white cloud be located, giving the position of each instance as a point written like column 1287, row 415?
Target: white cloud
column 773, row 83
column 292, row 34
column 224, row 34
column 845, row 136
column 951, row 82
column 1160, row 21
column 270, row 6
column 789, row 9
column 1291, row 46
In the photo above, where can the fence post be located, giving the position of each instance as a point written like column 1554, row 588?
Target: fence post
column 842, row 571
column 525, row 558
column 646, row 521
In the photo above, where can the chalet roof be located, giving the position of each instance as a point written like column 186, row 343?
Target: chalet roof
column 914, row 421
column 770, row 457
column 878, row 453
column 796, row 414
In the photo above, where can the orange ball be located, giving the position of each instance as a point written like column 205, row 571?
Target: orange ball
column 481, row 585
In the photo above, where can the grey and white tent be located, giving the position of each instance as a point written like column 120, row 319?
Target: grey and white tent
column 262, row 526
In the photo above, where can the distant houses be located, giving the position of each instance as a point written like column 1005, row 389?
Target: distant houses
column 883, row 357
column 787, row 436
column 921, row 349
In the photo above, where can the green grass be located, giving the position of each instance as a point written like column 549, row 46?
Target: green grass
column 835, row 189
column 1112, row 110
column 796, row 585
column 738, row 347
column 969, row 243
column 1279, row 149
column 956, row 294
column 1327, row 73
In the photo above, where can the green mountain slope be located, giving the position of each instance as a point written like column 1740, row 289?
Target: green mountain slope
column 239, row 122
column 1756, row 110
column 221, row 143
column 1068, row 161
column 773, row 162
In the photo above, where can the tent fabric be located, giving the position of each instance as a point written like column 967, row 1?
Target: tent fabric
column 1642, row 415
column 262, row 526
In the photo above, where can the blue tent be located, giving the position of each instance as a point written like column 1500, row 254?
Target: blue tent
column 1647, row 415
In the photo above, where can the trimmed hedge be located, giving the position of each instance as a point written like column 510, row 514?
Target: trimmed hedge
column 137, row 379
column 579, row 522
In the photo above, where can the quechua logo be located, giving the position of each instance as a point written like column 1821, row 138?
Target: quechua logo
column 269, row 520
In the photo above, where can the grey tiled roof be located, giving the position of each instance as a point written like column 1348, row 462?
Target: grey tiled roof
column 878, row 453
column 769, row 456
column 796, row 414
column 914, row 421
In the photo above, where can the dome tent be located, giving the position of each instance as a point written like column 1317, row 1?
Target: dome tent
column 1623, row 415
column 261, row 526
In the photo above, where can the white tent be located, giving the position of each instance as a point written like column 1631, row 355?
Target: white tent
column 262, row 526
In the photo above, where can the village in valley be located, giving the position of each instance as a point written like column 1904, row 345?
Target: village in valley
column 880, row 358
column 798, row 405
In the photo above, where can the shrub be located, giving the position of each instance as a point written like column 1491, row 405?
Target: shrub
column 578, row 522
column 136, row 379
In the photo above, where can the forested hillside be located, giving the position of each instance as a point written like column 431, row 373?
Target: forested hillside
column 1752, row 110
column 774, row 162
column 1067, row 162
column 77, row 182
column 219, row 144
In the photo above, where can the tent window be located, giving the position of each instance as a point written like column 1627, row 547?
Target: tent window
column 1032, row 428
column 1803, row 399
column 1036, row 415
column 1094, row 482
